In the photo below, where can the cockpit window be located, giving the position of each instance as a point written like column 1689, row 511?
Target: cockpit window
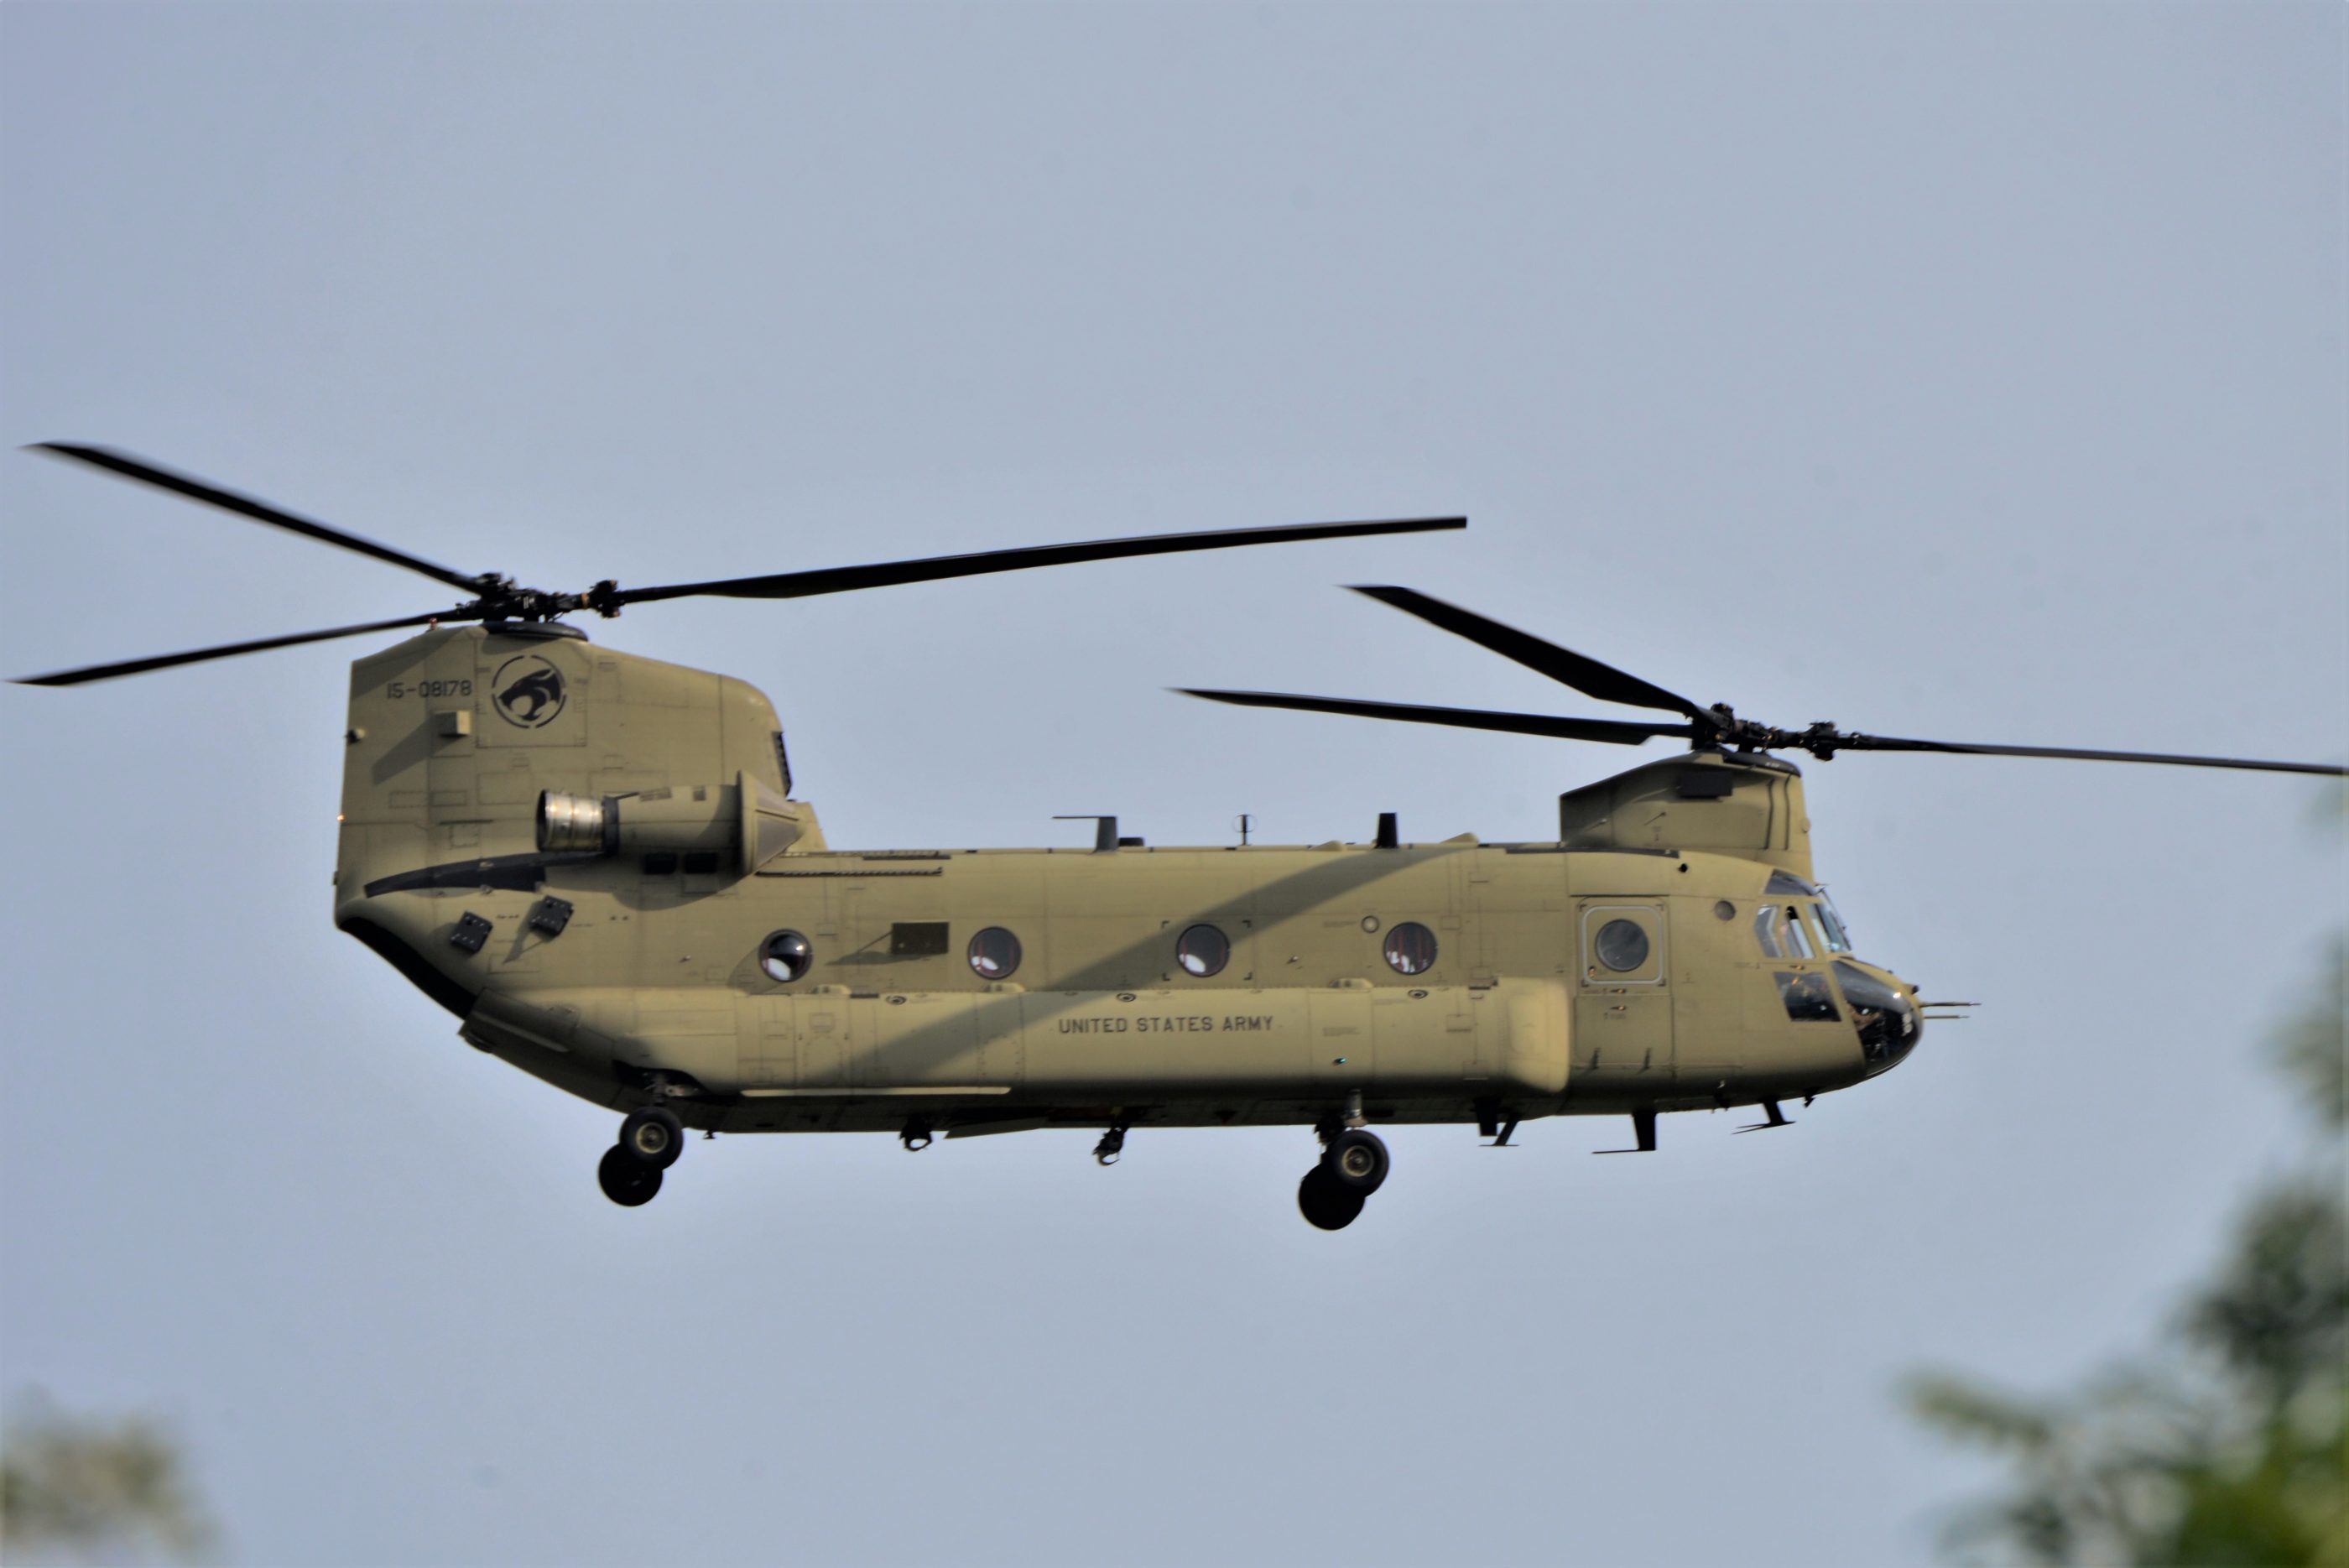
column 1806, row 997
column 1831, row 924
column 1799, row 936
column 1780, row 933
column 1784, row 882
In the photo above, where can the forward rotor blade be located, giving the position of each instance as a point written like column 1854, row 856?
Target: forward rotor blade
column 845, row 579
column 1615, row 731
column 230, row 650
column 1895, row 744
column 1562, row 665
column 145, row 473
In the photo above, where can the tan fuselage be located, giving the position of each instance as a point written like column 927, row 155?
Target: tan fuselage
column 654, row 985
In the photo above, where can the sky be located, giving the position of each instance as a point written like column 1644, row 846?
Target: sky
column 1972, row 372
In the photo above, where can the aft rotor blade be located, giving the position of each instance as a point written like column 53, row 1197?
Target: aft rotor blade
column 230, row 650
column 845, row 579
column 1564, row 666
column 1615, row 731
column 1895, row 744
column 145, row 473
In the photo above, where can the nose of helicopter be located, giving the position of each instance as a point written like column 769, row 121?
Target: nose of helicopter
column 1885, row 1010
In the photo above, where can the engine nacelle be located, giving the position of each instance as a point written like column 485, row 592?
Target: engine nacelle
column 744, row 824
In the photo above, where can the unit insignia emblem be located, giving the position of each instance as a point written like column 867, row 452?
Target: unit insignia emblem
column 528, row 691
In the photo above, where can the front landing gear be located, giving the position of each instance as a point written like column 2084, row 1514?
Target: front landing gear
column 1353, row 1165
column 650, row 1140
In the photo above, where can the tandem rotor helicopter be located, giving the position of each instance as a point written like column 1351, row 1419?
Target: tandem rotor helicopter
column 595, row 862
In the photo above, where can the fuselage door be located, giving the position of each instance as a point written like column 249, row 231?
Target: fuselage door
column 1622, row 1011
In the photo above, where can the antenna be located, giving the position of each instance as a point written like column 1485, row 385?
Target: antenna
column 1105, row 838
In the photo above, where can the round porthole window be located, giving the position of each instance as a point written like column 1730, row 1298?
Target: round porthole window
column 1622, row 946
column 1411, row 948
column 994, row 953
column 785, row 956
column 1203, row 951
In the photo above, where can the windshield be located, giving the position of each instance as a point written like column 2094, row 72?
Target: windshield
column 1888, row 1022
column 1804, row 922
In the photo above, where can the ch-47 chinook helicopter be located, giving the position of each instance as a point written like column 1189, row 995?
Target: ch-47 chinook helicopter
column 594, row 861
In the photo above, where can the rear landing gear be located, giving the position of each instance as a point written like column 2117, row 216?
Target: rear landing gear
column 1326, row 1205
column 1356, row 1160
column 1353, row 1165
column 653, row 1135
column 625, row 1179
column 650, row 1140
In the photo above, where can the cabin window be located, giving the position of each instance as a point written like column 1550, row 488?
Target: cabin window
column 1807, row 998
column 994, row 953
column 701, row 862
column 1411, row 948
column 1621, row 945
column 785, row 956
column 1203, row 951
column 1831, row 926
column 661, row 863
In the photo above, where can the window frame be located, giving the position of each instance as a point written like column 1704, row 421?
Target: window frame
column 1651, row 922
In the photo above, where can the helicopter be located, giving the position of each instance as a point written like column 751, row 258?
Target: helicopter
column 595, row 862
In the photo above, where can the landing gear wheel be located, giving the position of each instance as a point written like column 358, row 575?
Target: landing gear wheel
column 652, row 1135
column 625, row 1179
column 1356, row 1160
column 1324, row 1203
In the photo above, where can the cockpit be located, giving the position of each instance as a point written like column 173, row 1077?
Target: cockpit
column 1799, row 922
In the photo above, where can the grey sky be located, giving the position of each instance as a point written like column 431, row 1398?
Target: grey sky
column 1970, row 373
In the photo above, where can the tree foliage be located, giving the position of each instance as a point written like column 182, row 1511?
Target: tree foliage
column 95, row 1491
column 2225, row 1444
